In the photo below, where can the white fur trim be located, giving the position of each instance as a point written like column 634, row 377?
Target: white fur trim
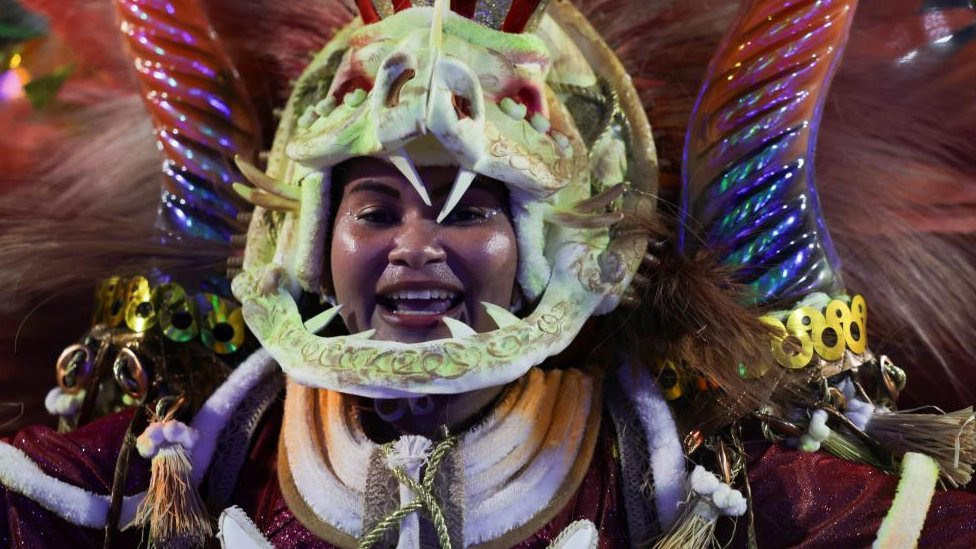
column 213, row 416
column 21, row 475
column 238, row 531
column 331, row 500
column 516, row 497
column 902, row 526
column 663, row 445
column 18, row 473
column 581, row 534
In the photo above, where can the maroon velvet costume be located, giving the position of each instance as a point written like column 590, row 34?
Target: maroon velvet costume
column 800, row 499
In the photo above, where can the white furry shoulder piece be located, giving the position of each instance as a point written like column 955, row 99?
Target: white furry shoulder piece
column 663, row 445
column 19, row 474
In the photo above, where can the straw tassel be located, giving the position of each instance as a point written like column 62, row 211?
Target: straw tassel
column 710, row 499
column 949, row 439
column 172, row 509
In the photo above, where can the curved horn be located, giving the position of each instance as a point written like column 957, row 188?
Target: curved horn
column 200, row 109
column 748, row 177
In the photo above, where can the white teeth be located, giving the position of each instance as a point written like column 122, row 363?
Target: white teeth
column 315, row 324
column 502, row 317
column 457, row 328
column 422, row 294
column 464, row 179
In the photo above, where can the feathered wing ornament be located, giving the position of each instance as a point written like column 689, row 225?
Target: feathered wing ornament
column 749, row 187
column 201, row 112
column 749, row 193
column 90, row 210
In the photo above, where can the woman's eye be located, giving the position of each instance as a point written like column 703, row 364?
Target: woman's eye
column 377, row 216
column 469, row 215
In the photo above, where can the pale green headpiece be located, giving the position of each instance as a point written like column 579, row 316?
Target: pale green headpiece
column 549, row 112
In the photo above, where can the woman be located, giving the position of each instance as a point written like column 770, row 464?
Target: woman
column 449, row 184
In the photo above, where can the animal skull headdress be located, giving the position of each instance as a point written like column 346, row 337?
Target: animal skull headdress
column 549, row 112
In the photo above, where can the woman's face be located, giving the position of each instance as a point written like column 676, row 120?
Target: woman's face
column 396, row 270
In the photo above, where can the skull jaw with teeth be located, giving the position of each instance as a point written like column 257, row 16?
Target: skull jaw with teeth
column 418, row 101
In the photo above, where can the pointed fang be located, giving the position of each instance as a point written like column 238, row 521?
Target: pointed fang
column 461, row 184
column 403, row 163
column 265, row 200
column 602, row 200
column 575, row 220
column 437, row 26
column 458, row 329
column 315, row 324
column 503, row 317
column 264, row 182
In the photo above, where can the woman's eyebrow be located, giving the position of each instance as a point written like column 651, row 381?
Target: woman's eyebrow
column 374, row 186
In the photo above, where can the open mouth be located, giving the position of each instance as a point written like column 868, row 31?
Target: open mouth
column 430, row 303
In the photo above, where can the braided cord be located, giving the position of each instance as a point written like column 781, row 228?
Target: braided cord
column 424, row 492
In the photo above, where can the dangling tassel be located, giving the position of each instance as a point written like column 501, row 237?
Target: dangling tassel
column 949, row 439
column 172, row 509
column 710, row 499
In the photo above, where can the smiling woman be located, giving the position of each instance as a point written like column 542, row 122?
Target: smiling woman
column 467, row 322
column 399, row 271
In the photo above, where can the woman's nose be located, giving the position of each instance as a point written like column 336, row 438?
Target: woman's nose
column 417, row 243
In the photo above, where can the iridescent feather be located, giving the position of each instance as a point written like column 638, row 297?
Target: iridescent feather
column 748, row 178
column 200, row 109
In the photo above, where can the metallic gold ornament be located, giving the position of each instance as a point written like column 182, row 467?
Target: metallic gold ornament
column 140, row 313
column 670, row 380
column 856, row 331
column 827, row 334
column 177, row 312
column 111, row 298
column 131, row 374
column 74, row 367
column 223, row 326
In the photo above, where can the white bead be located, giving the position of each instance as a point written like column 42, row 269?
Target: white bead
column 355, row 98
column 809, row 444
column 540, row 123
column 510, row 107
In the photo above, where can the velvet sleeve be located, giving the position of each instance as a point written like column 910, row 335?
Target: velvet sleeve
column 804, row 499
column 84, row 458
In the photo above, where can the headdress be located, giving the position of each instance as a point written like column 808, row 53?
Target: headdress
column 550, row 113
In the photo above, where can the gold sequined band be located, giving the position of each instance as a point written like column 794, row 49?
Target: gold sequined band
column 807, row 333
column 809, row 338
column 133, row 303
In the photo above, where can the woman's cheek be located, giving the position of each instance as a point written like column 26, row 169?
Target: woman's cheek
column 496, row 264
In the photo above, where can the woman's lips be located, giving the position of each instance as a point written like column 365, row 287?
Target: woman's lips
column 421, row 308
